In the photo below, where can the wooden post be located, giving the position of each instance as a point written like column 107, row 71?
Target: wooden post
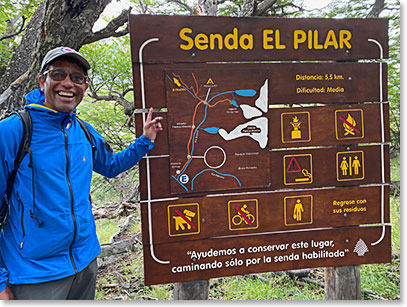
column 343, row 283
column 191, row 290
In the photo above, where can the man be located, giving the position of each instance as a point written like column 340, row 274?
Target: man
column 48, row 249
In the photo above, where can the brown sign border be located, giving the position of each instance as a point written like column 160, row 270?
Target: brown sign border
column 267, row 34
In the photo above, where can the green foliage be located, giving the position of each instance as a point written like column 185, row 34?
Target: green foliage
column 11, row 13
column 111, row 66
column 109, row 120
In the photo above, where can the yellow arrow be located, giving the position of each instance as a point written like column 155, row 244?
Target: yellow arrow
column 176, row 81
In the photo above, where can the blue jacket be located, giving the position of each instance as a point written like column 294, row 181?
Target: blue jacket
column 51, row 232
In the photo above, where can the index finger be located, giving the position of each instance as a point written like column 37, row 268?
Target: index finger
column 150, row 115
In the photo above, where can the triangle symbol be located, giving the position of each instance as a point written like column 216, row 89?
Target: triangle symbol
column 210, row 81
column 293, row 166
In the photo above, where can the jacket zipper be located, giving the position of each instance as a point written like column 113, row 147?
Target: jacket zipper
column 20, row 203
column 71, row 193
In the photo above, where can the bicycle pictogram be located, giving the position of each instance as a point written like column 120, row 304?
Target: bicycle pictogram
column 243, row 214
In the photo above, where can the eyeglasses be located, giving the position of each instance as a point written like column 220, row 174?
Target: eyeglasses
column 58, row 75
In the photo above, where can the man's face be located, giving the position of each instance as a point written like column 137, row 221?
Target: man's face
column 62, row 96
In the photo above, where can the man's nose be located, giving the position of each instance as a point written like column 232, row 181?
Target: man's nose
column 67, row 81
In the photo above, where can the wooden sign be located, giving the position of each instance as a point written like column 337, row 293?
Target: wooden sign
column 289, row 169
column 228, row 256
column 237, row 214
column 219, row 39
column 288, row 83
column 300, row 127
column 261, row 165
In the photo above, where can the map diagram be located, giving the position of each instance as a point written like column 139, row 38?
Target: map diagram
column 218, row 129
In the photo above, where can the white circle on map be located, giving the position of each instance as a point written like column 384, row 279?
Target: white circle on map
column 218, row 163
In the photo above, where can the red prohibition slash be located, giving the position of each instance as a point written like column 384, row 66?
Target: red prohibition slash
column 349, row 124
column 243, row 215
column 185, row 218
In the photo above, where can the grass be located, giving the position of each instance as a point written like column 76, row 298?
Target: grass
column 382, row 279
column 266, row 286
column 395, row 223
column 395, row 168
column 106, row 228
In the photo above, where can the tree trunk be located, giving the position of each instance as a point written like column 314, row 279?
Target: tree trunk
column 248, row 8
column 343, row 283
column 209, row 7
column 54, row 23
column 66, row 23
column 191, row 290
column 21, row 59
column 377, row 8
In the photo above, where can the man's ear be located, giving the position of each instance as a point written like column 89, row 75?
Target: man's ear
column 87, row 85
column 41, row 81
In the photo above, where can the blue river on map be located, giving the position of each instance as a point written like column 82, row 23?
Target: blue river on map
column 234, row 103
column 246, row 92
column 213, row 130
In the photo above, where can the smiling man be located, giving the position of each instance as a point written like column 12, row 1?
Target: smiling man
column 49, row 247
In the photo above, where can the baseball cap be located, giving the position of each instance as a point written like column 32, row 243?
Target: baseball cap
column 64, row 51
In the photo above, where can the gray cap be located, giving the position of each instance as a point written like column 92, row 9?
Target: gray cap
column 64, row 51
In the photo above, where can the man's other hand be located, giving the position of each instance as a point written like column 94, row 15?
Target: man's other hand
column 152, row 126
column 6, row 294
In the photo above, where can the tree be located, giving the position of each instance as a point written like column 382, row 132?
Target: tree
column 69, row 22
column 54, row 23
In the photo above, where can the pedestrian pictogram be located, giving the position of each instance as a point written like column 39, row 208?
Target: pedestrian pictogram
column 243, row 214
column 183, row 219
column 298, row 210
column 295, row 127
column 349, row 124
column 297, row 169
column 350, row 165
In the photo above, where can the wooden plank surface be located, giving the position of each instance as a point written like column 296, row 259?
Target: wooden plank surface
column 289, row 83
column 188, row 219
column 228, row 256
column 317, row 126
column 289, row 169
column 204, row 38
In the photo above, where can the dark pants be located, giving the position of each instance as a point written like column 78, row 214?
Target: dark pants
column 80, row 286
